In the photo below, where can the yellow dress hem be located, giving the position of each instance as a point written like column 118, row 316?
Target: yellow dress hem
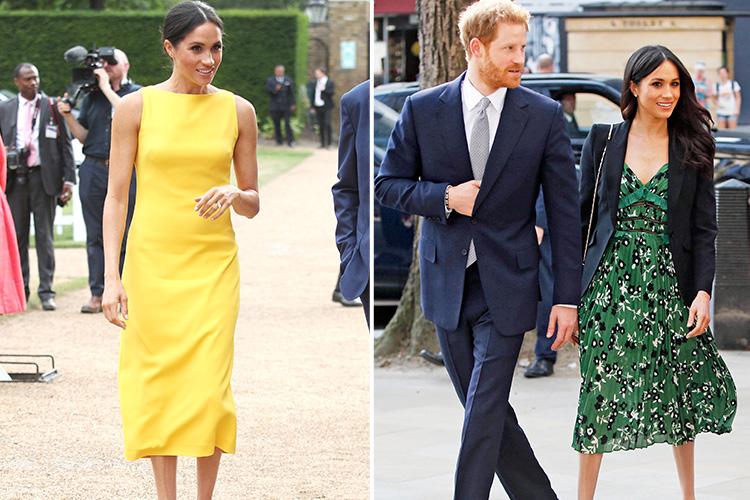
column 178, row 451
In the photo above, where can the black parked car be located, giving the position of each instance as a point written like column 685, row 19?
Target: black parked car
column 589, row 98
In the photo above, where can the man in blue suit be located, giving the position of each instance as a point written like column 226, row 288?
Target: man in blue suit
column 351, row 196
column 470, row 157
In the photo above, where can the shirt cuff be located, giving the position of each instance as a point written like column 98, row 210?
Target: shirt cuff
column 571, row 306
column 68, row 183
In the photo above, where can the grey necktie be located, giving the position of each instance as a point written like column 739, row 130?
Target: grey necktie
column 479, row 150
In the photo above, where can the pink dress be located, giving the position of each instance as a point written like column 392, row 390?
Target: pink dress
column 12, row 297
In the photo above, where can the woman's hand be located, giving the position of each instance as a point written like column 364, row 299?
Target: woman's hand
column 216, row 201
column 114, row 302
column 700, row 314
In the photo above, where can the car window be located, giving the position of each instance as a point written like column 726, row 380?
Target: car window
column 384, row 119
column 593, row 108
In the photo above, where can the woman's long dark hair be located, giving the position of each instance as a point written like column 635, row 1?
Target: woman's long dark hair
column 185, row 17
column 690, row 123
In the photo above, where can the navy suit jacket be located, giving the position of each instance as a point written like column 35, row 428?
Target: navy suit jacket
column 428, row 151
column 351, row 194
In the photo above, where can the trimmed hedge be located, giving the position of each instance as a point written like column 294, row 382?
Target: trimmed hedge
column 254, row 41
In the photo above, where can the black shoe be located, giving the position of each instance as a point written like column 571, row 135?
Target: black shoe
column 48, row 304
column 540, row 368
column 431, row 357
column 337, row 297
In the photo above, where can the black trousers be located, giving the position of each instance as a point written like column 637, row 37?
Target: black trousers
column 93, row 191
column 324, row 125
column 480, row 361
column 277, row 117
column 28, row 197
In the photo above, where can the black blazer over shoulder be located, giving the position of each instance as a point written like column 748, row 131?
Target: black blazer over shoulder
column 691, row 210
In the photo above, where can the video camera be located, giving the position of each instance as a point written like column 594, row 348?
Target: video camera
column 86, row 61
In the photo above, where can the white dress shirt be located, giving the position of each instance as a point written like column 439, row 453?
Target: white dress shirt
column 470, row 98
column 320, row 86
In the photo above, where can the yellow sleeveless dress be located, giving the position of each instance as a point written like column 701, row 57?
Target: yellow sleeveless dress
column 181, row 276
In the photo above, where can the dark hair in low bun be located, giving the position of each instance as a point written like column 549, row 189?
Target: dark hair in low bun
column 690, row 123
column 185, row 17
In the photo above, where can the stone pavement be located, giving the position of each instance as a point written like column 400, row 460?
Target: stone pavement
column 301, row 373
column 418, row 425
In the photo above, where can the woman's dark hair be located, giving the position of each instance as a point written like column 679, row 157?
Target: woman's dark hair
column 690, row 123
column 185, row 17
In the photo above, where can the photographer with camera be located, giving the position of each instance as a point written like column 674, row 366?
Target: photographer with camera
column 93, row 128
column 41, row 173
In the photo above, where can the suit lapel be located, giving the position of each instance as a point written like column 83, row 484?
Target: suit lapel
column 10, row 120
column 614, row 162
column 512, row 122
column 451, row 121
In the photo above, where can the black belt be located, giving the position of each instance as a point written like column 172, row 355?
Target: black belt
column 104, row 162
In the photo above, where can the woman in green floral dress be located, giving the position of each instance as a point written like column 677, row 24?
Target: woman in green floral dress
column 649, row 366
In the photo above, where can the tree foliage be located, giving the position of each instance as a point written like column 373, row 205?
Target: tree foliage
column 87, row 4
column 142, row 4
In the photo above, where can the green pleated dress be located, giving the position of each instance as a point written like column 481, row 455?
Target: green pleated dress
column 643, row 381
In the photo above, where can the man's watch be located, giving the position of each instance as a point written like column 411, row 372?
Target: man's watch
column 445, row 201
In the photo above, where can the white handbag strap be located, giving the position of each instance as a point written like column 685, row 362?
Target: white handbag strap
column 596, row 188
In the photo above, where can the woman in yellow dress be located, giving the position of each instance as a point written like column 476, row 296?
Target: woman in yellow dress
column 181, row 271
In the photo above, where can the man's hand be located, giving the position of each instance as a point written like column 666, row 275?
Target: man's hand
column 566, row 321
column 461, row 198
column 63, row 107
column 102, row 78
column 67, row 192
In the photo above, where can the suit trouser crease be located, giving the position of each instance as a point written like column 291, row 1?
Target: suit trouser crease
column 480, row 362
column 26, row 198
column 93, row 191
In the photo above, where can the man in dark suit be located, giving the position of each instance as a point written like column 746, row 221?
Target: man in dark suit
column 40, row 172
column 282, row 103
column 470, row 156
column 321, row 103
column 351, row 195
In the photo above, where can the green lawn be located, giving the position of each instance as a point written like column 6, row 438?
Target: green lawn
column 275, row 161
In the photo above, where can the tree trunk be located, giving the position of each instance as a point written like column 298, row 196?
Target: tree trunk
column 441, row 59
column 97, row 4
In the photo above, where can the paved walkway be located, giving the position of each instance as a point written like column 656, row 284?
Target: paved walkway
column 418, row 424
column 301, row 374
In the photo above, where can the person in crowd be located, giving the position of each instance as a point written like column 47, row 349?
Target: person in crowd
column 478, row 251
column 281, row 104
column 12, row 293
column 41, row 173
column 545, row 64
column 702, row 86
column 650, row 369
column 727, row 98
column 93, row 129
column 351, row 196
column 178, row 298
column 321, row 91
